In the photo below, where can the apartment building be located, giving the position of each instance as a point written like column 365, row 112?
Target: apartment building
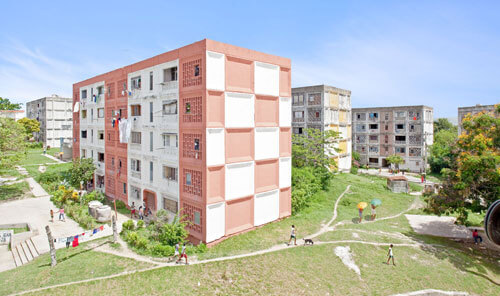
column 12, row 114
column 55, row 116
column 204, row 129
column 326, row 108
column 473, row 110
column 379, row 132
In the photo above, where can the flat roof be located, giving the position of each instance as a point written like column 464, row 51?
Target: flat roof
column 392, row 107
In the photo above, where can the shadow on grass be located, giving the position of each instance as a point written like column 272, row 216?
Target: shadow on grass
column 83, row 251
column 463, row 254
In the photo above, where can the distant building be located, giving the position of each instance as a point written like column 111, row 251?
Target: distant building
column 379, row 132
column 326, row 108
column 463, row 111
column 56, row 119
column 14, row 114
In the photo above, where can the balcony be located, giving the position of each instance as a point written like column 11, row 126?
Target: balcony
column 170, row 86
column 400, row 131
column 135, row 174
column 171, row 152
column 400, row 142
column 171, row 186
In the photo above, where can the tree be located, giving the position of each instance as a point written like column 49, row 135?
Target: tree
column 81, row 171
column 5, row 104
column 444, row 124
column 30, row 126
column 12, row 145
column 440, row 152
column 314, row 148
column 395, row 159
column 473, row 180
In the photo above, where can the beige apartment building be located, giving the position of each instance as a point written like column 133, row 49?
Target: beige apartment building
column 406, row 131
column 463, row 111
column 326, row 108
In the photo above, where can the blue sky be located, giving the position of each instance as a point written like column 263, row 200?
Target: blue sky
column 443, row 54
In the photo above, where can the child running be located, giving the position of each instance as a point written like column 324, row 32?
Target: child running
column 390, row 255
column 183, row 254
column 293, row 236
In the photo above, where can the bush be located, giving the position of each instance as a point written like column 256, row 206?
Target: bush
column 131, row 237
column 354, row 170
column 142, row 243
column 128, row 225
column 172, row 233
column 94, row 195
column 162, row 250
column 34, row 145
column 49, row 177
column 140, row 224
column 120, row 205
column 201, row 248
column 304, row 185
column 80, row 214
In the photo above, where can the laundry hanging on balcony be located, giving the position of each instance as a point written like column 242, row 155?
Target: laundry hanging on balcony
column 77, row 107
column 124, row 128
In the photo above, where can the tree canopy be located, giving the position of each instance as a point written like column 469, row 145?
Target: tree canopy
column 440, row 152
column 444, row 124
column 30, row 126
column 473, row 179
column 395, row 159
column 5, row 104
column 81, row 171
column 12, row 145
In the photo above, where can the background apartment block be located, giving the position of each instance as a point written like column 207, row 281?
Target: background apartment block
column 55, row 116
column 326, row 108
column 12, row 114
column 210, row 134
column 463, row 111
column 379, row 132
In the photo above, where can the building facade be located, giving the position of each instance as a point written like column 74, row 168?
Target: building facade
column 12, row 114
column 55, row 116
column 406, row 131
column 325, row 108
column 204, row 129
column 473, row 110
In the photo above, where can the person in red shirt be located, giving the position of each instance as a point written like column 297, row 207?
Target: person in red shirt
column 476, row 237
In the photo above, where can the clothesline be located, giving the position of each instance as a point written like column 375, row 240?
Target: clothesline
column 74, row 240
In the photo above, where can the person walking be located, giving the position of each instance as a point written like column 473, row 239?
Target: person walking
column 61, row 215
column 51, row 215
column 374, row 212
column 360, row 213
column 477, row 237
column 390, row 255
column 293, row 236
column 141, row 213
column 183, row 254
column 132, row 210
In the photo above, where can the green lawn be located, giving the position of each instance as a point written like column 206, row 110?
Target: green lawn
column 10, row 172
column 309, row 271
column 14, row 191
column 34, row 156
column 17, row 230
column 35, row 173
column 73, row 264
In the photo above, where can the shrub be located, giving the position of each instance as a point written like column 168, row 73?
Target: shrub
column 34, row 145
column 354, row 170
column 131, row 237
column 172, row 233
column 140, row 224
column 94, row 195
column 120, row 205
column 80, row 214
column 49, row 177
column 128, row 225
column 304, row 185
column 201, row 248
column 142, row 242
column 162, row 250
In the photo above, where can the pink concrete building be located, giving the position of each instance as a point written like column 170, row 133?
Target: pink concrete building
column 204, row 129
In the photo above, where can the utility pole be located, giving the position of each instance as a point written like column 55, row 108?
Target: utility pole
column 53, row 260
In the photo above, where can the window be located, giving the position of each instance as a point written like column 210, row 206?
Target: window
column 188, row 178
column 197, row 218
column 401, row 138
column 92, row 154
column 197, row 70
column 358, row 115
column 386, row 149
column 169, row 140
column 120, row 163
column 170, row 205
column 400, row 114
column 386, row 116
column 373, row 138
column 316, row 114
column 150, row 80
column 100, row 90
column 100, row 156
column 169, row 107
column 400, row 126
column 386, row 139
column 188, row 108
column 400, row 149
column 150, row 111
column 169, row 173
column 386, row 127
column 373, row 115
column 136, row 137
column 300, row 130
column 136, row 82
column 84, row 113
column 298, row 114
column 124, row 188
column 136, row 165
column 170, row 74
column 151, row 141
column 100, row 135
column 92, row 114
column 151, row 171
column 136, row 110
column 196, row 144
column 84, row 134
column 298, row 99
column 100, row 113
column 84, row 153
column 112, row 161
column 91, row 136
column 373, row 160
column 373, row 126
column 84, row 94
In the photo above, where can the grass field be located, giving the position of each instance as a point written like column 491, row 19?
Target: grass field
column 73, row 264
column 17, row 230
column 14, row 191
column 10, row 172
column 34, row 156
column 35, row 173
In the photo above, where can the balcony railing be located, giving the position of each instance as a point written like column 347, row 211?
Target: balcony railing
column 400, row 131
column 170, row 85
column 400, row 142
column 135, row 174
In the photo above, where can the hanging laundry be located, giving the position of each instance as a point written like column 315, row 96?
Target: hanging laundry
column 94, row 231
column 113, row 122
column 122, row 126
column 77, row 107
column 129, row 130
column 75, row 241
column 101, row 228
column 69, row 240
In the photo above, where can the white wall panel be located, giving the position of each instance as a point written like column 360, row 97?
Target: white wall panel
column 285, row 112
column 239, row 180
column 239, row 110
column 215, row 71
column 215, row 146
column 285, row 172
column 267, row 142
column 216, row 222
column 266, row 79
column 266, row 207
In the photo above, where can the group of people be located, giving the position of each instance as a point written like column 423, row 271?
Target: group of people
column 373, row 209
column 181, row 254
column 143, row 211
column 61, row 215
